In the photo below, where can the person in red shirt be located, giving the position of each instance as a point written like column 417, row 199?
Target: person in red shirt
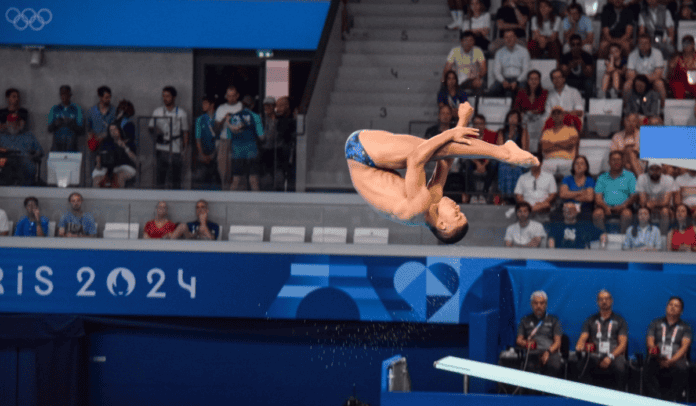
column 682, row 237
column 531, row 102
column 160, row 226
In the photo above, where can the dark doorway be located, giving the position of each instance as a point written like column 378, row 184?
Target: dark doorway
column 246, row 78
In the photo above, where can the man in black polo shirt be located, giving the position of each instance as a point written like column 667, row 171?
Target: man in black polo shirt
column 607, row 332
column 668, row 340
column 540, row 333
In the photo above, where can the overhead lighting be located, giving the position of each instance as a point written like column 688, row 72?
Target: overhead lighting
column 264, row 53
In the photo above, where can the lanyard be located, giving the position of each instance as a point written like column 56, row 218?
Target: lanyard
column 664, row 332
column 599, row 330
column 536, row 328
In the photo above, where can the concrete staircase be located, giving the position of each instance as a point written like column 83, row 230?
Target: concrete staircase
column 389, row 76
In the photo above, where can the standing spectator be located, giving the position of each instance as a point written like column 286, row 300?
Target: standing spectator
column 13, row 118
column 682, row 236
column 545, row 27
column 124, row 118
column 576, row 22
column 578, row 187
column 269, row 151
column 205, row 142
column 451, row 95
column 161, row 226
column 668, row 340
column 568, row 98
column 4, row 224
column 607, row 332
column 26, row 149
column 559, row 145
column 646, row 60
column 479, row 23
column 222, row 115
column 617, row 28
column 686, row 194
column 614, row 73
column 201, row 229
column 65, row 122
column 481, row 172
column 641, row 99
column 512, row 15
column 578, row 68
column 655, row 192
column 75, row 222
column 642, row 236
column 510, row 67
column 98, row 119
column 571, row 233
column 170, row 123
column 287, row 127
column 615, row 193
column 656, row 21
column 628, row 143
column 525, row 233
column 457, row 11
column 33, row 224
column 444, row 123
column 116, row 160
column 244, row 130
column 531, row 102
column 538, row 188
column 679, row 68
column 513, row 130
column 469, row 65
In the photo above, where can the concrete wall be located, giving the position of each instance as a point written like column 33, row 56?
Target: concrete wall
column 136, row 76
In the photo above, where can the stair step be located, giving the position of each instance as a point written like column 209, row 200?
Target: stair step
column 381, row 98
column 412, row 9
column 403, row 23
column 425, row 62
column 385, row 73
column 406, row 34
column 405, row 87
column 435, row 49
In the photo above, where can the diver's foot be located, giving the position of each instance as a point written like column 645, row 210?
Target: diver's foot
column 465, row 112
column 518, row 156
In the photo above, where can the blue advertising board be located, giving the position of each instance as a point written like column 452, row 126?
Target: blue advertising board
column 187, row 24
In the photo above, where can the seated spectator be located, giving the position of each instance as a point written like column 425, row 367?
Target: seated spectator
column 683, row 64
column 656, row 21
column 510, row 67
column 628, row 143
column 480, row 173
column 513, row 130
column 531, row 102
column 512, row 15
column 161, row 226
column 444, row 123
column 124, row 117
column 470, row 69
column 615, row 193
column 26, row 150
column 525, row 233
column 545, row 27
column 571, row 233
column 451, row 95
column 75, row 223
column 614, row 73
column 668, row 340
column 205, row 136
column 10, row 171
column 617, row 28
column 201, row 229
column 567, row 97
column 559, row 145
column 65, row 121
column 479, row 23
column 687, row 190
column 655, row 192
column 13, row 118
column 607, row 332
column 4, row 224
column 578, row 187
column 457, row 12
column 116, row 160
column 538, row 188
column 578, row 68
column 33, row 224
column 646, row 60
column 576, row 22
column 687, row 13
column 682, row 237
column 641, row 99
column 643, row 236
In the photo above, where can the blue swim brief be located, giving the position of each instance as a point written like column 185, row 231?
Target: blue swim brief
column 356, row 152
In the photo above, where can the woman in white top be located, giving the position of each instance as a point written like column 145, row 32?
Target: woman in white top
column 478, row 22
column 545, row 27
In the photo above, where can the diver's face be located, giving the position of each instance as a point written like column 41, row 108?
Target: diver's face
column 450, row 216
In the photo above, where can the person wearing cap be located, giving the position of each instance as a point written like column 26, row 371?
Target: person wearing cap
column 668, row 340
column 571, row 233
column 559, row 145
column 66, row 122
column 655, row 191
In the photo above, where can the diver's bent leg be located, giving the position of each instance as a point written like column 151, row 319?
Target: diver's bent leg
column 509, row 152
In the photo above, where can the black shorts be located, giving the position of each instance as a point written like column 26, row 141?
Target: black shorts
column 245, row 166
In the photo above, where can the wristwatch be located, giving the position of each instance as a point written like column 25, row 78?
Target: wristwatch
column 611, row 356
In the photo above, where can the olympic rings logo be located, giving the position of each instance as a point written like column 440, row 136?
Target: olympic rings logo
column 35, row 20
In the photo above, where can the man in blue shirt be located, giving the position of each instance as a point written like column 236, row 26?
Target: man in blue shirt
column 244, row 129
column 28, row 226
column 615, row 193
column 571, row 233
column 98, row 119
column 205, row 141
column 65, row 121
column 75, row 223
column 201, row 229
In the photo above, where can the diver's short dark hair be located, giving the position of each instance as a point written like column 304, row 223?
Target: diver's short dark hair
column 452, row 239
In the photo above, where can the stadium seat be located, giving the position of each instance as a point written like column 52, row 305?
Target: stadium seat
column 287, row 234
column 51, row 229
column 494, row 109
column 370, row 235
column 677, row 112
column 121, row 231
column 246, row 233
column 10, row 230
column 604, row 116
column 544, row 66
column 335, row 235
column 615, row 241
column 600, row 68
column 597, row 153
